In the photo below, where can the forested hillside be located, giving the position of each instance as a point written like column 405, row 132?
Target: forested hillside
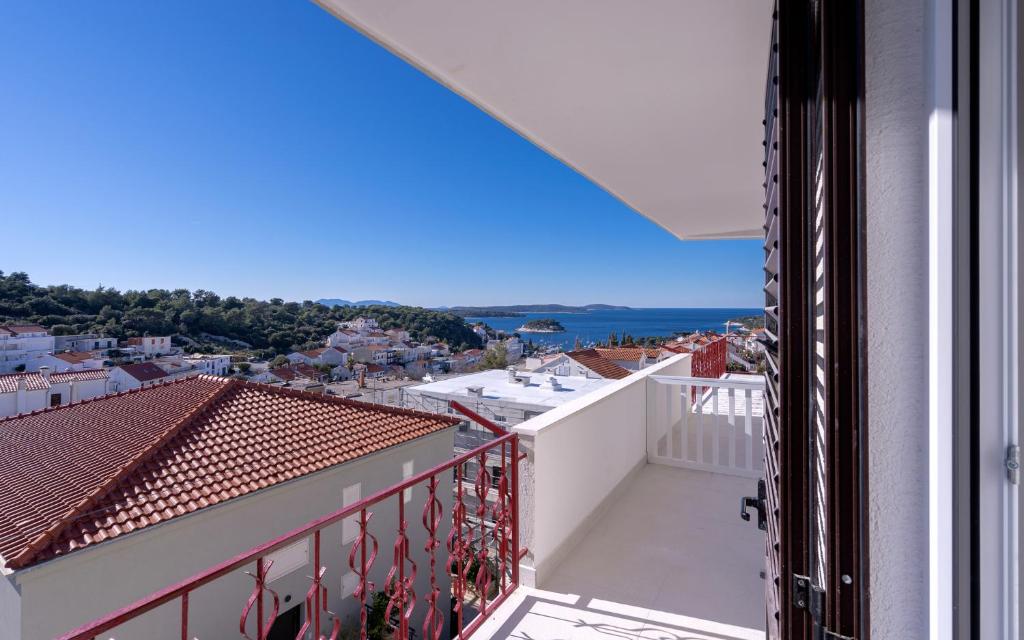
column 271, row 327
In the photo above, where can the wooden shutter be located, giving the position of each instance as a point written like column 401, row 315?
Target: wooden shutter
column 814, row 420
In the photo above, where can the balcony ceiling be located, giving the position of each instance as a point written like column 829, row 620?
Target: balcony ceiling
column 659, row 102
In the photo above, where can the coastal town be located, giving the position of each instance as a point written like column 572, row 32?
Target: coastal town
column 359, row 359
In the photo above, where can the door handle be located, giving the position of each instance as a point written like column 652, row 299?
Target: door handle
column 760, row 503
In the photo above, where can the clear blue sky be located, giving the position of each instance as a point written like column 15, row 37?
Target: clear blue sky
column 266, row 149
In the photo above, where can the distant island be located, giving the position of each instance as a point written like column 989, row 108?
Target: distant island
column 542, row 325
column 518, row 310
column 750, row 322
column 338, row 302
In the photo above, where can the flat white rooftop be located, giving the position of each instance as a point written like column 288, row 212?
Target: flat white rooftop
column 496, row 387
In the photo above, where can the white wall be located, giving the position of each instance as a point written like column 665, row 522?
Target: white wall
column 578, row 456
column 897, row 312
column 40, row 398
column 64, row 593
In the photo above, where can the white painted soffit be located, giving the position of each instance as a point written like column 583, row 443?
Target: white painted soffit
column 659, row 102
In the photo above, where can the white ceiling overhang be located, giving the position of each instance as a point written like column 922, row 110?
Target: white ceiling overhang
column 659, row 102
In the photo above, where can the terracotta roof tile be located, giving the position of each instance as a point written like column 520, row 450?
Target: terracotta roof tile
column 73, row 357
column 95, row 470
column 23, row 328
column 603, row 367
column 627, row 353
column 144, row 371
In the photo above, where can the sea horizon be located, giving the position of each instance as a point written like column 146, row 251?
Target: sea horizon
column 639, row 322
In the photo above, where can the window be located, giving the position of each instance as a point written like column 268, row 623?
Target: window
column 54, row 399
column 498, row 418
column 407, row 471
column 495, row 475
column 96, row 345
column 350, row 525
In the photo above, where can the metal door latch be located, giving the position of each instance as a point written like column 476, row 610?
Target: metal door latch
column 1012, row 463
column 760, row 503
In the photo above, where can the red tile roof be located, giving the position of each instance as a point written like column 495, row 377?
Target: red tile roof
column 314, row 353
column 603, row 367
column 23, row 328
column 627, row 353
column 35, row 382
column 676, row 347
column 300, row 370
column 86, row 473
column 72, row 357
column 144, row 371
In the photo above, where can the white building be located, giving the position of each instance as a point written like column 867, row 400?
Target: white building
column 361, row 324
column 20, row 344
column 513, row 347
column 325, row 460
column 73, row 360
column 83, row 342
column 344, row 338
column 506, row 397
column 135, row 376
column 332, row 356
column 151, row 346
column 25, row 392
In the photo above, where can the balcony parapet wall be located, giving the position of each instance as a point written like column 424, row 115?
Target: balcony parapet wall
column 579, row 456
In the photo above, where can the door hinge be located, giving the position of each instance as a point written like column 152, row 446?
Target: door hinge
column 809, row 596
column 1012, row 463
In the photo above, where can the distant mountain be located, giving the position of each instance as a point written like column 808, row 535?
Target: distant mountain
column 511, row 311
column 338, row 302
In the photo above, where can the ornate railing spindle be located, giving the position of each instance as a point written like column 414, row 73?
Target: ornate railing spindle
column 433, row 622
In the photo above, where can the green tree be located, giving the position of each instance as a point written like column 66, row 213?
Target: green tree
column 279, row 361
column 496, row 358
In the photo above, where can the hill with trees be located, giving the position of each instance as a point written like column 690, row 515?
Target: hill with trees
column 207, row 321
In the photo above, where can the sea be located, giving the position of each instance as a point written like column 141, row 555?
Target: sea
column 591, row 327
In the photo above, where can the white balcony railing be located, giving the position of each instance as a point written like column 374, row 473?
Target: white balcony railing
column 711, row 425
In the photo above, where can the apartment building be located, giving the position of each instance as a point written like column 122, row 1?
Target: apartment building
column 151, row 346
column 83, row 342
column 21, row 344
column 505, row 397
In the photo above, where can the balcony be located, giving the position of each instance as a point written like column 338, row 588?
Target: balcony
column 630, row 510
column 622, row 508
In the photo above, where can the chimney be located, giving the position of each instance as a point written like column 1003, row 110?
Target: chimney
column 362, row 378
column 73, row 391
column 511, row 375
column 476, row 391
column 44, row 371
column 22, row 395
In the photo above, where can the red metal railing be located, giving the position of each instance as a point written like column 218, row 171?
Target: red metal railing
column 709, row 360
column 483, row 542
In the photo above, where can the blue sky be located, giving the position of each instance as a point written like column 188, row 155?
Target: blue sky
column 265, row 149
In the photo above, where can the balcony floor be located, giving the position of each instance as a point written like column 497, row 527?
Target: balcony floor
column 670, row 559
